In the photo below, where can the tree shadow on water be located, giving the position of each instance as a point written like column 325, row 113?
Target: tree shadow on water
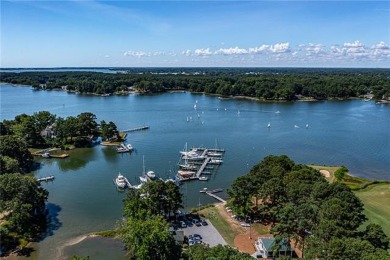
column 53, row 223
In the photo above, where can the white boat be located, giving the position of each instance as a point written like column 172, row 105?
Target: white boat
column 214, row 154
column 203, row 178
column 186, row 173
column 151, row 175
column 129, row 147
column 187, row 166
column 269, row 125
column 277, row 112
column 296, row 126
column 307, row 125
column 46, row 155
column 204, row 190
column 120, row 181
column 216, row 161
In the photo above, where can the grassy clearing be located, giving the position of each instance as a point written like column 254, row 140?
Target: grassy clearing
column 376, row 199
column 228, row 228
column 220, row 223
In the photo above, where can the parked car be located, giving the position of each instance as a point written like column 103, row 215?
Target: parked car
column 245, row 224
column 204, row 222
column 197, row 235
column 183, row 224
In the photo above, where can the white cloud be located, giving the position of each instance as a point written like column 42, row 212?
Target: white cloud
column 232, row 51
column 203, row 52
column 138, row 54
column 347, row 53
column 186, row 52
column 355, row 44
column 380, row 51
column 280, row 47
column 260, row 49
column 314, row 49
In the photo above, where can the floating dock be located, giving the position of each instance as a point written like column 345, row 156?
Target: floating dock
column 211, row 194
column 49, row 178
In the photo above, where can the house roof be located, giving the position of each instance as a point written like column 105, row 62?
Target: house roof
column 269, row 242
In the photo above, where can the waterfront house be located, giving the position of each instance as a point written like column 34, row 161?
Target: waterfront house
column 265, row 248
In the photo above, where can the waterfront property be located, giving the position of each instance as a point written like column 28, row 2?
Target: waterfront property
column 265, row 248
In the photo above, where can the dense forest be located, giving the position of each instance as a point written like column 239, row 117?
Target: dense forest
column 267, row 84
column 324, row 220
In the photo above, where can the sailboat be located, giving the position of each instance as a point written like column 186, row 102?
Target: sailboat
column 269, row 125
column 307, row 125
column 186, row 155
column 145, row 177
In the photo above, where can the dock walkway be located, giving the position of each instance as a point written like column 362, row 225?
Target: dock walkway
column 211, row 194
column 201, row 169
column 140, row 128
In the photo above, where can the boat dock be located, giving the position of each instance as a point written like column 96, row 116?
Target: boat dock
column 201, row 169
column 49, row 178
column 140, row 128
column 204, row 159
column 124, row 148
column 211, row 194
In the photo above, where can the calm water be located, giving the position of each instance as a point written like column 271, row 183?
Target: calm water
column 83, row 198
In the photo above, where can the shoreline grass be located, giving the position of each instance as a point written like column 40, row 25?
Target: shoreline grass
column 376, row 199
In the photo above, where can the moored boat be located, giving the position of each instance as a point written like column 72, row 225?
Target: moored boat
column 120, row 181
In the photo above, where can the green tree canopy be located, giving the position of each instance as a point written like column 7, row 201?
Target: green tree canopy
column 16, row 149
column 24, row 200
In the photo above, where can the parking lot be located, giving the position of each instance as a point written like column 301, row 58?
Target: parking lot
column 209, row 234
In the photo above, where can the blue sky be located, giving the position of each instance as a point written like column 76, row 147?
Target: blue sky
column 195, row 33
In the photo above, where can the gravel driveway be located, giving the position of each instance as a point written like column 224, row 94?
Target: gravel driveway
column 209, row 234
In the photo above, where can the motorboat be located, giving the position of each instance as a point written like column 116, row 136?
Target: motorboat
column 203, row 178
column 186, row 173
column 120, row 181
column 216, row 161
column 151, row 175
column 46, row 155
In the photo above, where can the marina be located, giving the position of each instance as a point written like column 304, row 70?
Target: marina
column 198, row 159
column 88, row 173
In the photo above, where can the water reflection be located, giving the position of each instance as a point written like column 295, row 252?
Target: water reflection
column 78, row 159
column 53, row 221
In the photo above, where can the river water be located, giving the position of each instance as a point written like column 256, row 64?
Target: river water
column 83, row 198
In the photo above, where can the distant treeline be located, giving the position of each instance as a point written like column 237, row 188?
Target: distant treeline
column 269, row 84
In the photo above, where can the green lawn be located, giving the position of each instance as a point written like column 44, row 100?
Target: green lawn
column 376, row 199
column 219, row 222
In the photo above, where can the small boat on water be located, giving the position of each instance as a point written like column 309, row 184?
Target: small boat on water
column 203, row 191
column 203, row 178
column 296, row 126
column 269, row 125
column 307, row 125
column 120, row 181
column 46, row 155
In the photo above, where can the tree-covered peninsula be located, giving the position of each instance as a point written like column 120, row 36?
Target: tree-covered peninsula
column 323, row 220
column 266, row 84
column 43, row 129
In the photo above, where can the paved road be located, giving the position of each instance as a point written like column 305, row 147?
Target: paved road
column 209, row 234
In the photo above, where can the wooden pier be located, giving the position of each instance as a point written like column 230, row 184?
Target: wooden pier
column 201, row 169
column 49, row 178
column 140, row 128
column 211, row 194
